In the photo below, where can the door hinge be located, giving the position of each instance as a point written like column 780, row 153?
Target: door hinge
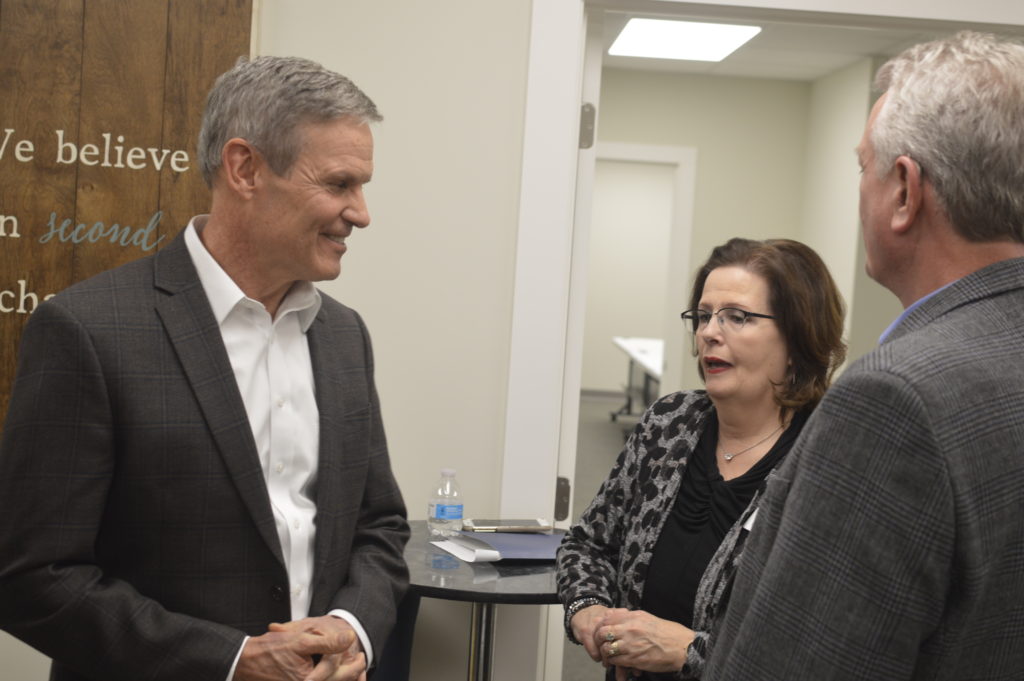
column 588, row 115
column 562, row 489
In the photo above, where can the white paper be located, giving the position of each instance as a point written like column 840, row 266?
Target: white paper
column 467, row 554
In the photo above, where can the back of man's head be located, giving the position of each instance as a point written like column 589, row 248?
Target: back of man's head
column 265, row 100
column 956, row 107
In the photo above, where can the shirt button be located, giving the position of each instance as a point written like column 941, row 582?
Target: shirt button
column 280, row 402
column 295, row 524
column 279, row 467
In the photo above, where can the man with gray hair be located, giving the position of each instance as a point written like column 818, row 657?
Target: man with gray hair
column 891, row 543
column 194, row 481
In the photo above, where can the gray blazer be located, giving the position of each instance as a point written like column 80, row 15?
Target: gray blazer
column 890, row 545
column 136, row 534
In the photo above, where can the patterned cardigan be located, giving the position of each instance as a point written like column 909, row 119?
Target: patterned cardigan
column 606, row 554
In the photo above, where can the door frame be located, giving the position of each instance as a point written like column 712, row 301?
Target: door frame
column 542, row 398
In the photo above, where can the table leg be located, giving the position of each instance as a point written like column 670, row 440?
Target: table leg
column 649, row 389
column 481, row 637
column 627, row 408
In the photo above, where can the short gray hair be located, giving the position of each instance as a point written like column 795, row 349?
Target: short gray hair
column 265, row 100
column 956, row 107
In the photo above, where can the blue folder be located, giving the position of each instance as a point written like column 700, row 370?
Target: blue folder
column 508, row 545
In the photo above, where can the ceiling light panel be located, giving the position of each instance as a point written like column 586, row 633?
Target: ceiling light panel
column 665, row 39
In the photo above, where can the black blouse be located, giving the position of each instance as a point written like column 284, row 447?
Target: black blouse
column 704, row 509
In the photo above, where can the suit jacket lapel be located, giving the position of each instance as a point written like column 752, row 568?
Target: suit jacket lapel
column 327, row 360
column 331, row 358
column 195, row 336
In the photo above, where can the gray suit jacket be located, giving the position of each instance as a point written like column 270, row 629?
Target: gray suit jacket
column 136, row 534
column 891, row 543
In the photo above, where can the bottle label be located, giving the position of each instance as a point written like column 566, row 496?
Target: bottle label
column 447, row 511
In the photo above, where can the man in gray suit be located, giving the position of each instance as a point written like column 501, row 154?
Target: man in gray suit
column 194, row 482
column 891, row 543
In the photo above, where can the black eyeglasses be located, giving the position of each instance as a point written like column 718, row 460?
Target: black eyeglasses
column 729, row 318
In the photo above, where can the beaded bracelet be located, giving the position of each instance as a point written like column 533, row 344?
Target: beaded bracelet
column 575, row 607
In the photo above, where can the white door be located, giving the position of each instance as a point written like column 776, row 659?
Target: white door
column 627, row 265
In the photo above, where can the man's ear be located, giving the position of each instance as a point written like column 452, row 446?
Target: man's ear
column 240, row 163
column 909, row 193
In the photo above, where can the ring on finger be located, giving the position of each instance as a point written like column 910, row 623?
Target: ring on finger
column 613, row 649
column 609, row 636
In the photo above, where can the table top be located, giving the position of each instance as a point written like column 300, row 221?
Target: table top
column 435, row 573
column 648, row 352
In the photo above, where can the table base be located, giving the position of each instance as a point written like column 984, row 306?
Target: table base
column 481, row 639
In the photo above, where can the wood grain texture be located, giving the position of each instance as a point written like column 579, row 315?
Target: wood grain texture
column 40, row 69
column 200, row 33
column 111, row 74
column 116, row 89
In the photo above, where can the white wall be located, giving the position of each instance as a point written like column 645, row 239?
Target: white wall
column 750, row 140
column 840, row 104
column 433, row 274
column 838, row 108
column 20, row 662
column 628, row 265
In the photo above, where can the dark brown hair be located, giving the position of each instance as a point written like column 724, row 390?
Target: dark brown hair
column 805, row 303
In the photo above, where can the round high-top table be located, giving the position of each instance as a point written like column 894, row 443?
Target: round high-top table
column 435, row 573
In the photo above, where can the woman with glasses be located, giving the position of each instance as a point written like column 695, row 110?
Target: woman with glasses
column 646, row 572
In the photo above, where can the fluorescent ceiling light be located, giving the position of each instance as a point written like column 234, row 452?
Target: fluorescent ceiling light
column 665, row 39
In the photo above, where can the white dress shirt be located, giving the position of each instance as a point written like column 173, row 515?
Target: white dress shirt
column 271, row 362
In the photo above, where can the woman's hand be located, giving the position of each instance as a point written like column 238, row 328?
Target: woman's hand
column 583, row 625
column 634, row 639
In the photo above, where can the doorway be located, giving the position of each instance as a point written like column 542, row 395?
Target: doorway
column 630, row 227
column 641, row 216
column 789, row 206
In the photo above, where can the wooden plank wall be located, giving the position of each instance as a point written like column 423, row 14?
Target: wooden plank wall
column 117, row 75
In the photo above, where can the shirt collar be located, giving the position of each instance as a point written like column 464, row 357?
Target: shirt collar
column 906, row 313
column 225, row 295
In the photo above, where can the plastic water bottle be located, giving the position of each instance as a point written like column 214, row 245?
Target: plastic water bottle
column 444, row 513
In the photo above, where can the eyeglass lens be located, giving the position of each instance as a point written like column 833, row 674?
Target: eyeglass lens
column 728, row 318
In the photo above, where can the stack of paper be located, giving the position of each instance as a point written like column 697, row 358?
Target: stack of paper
column 491, row 546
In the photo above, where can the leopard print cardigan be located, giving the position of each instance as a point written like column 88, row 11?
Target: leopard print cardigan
column 605, row 556
column 607, row 553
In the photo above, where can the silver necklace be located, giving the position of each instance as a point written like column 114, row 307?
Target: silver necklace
column 730, row 457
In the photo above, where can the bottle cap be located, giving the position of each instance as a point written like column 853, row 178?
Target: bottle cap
column 448, row 472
